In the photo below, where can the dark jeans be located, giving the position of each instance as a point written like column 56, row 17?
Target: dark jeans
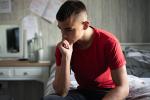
column 80, row 95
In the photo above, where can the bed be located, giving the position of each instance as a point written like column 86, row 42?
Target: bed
column 138, row 68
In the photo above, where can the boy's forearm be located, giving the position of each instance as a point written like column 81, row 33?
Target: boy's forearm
column 62, row 79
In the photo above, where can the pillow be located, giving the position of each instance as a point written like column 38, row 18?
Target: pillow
column 138, row 62
column 49, row 87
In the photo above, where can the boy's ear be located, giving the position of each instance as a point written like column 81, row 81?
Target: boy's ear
column 85, row 25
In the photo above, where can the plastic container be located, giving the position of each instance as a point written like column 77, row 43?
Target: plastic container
column 35, row 46
column 38, row 42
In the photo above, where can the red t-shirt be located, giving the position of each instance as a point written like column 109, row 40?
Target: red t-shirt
column 92, row 65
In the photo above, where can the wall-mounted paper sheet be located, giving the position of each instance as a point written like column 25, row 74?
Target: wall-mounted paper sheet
column 51, row 10
column 38, row 6
column 46, row 8
column 5, row 6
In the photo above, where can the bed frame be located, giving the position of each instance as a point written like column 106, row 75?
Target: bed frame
column 142, row 46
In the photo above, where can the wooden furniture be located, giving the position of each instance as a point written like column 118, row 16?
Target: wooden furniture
column 24, row 70
column 23, row 80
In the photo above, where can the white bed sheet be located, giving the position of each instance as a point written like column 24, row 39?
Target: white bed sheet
column 146, row 80
column 139, row 88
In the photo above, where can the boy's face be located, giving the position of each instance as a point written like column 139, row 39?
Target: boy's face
column 72, row 29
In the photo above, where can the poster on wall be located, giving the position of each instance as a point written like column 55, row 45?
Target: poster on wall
column 47, row 9
column 5, row 6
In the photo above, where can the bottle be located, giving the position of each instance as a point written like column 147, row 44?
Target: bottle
column 38, row 47
column 31, row 51
column 38, row 41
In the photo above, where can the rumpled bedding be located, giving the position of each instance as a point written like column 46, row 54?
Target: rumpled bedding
column 138, row 67
column 138, row 62
column 140, row 55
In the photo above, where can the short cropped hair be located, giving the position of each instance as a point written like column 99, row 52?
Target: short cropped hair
column 70, row 7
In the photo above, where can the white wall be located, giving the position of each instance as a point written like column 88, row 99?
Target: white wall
column 127, row 19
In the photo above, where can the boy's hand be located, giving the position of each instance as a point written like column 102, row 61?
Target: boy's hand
column 65, row 48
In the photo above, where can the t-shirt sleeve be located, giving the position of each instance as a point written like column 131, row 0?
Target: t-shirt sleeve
column 114, row 55
column 58, row 56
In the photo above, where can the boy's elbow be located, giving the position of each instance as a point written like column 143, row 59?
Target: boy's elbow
column 61, row 91
column 127, row 90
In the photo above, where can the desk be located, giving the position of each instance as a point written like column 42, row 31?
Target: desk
column 24, row 70
column 23, row 80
